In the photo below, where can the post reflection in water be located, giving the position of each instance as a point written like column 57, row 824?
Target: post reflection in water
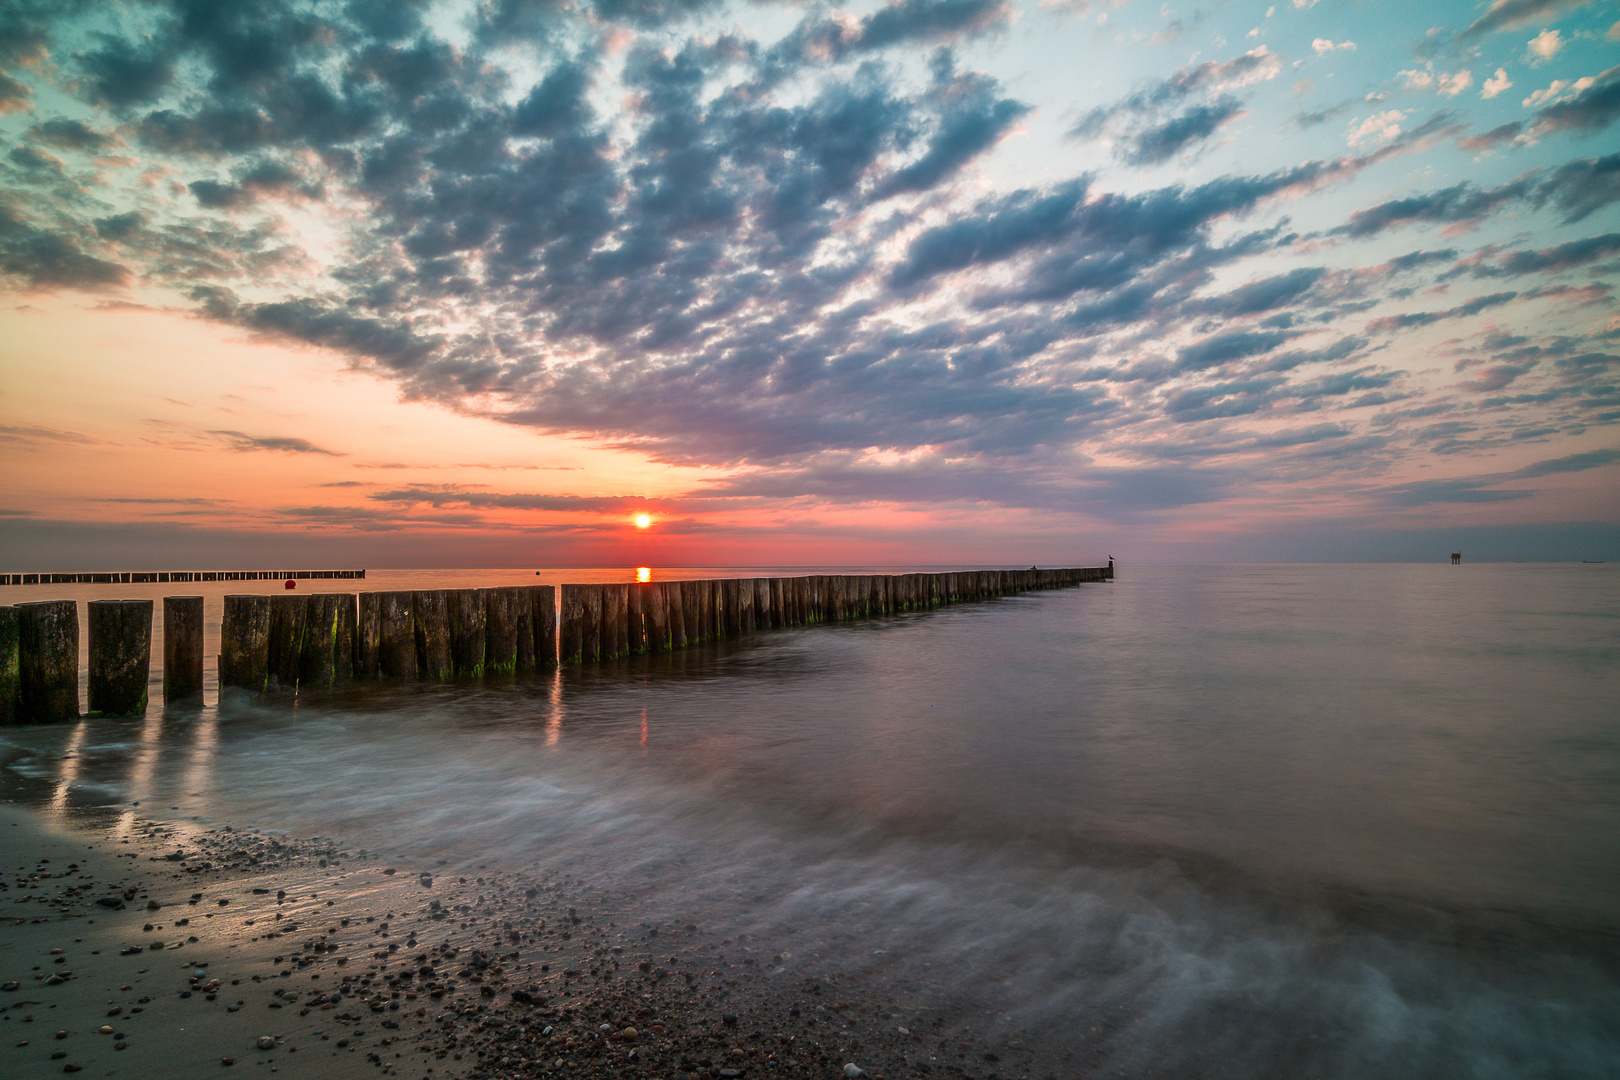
column 554, row 721
column 200, row 765
column 644, row 731
column 70, row 767
column 141, row 769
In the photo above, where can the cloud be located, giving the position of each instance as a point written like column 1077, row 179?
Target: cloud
column 1548, row 260
column 1459, row 205
column 1482, row 489
column 1156, row 122
column 1322, row 46
column 1375, row 129
column 1478, row 304
column 236, row 440
column 1496, row 84
column 449, row 495
column 1455, row 83
column 1512, row 14
column 1544, row 46
column 1583, row 187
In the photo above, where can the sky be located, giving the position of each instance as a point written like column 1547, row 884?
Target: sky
column 406, row 283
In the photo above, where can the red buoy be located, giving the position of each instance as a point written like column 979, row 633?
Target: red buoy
column 291, row 584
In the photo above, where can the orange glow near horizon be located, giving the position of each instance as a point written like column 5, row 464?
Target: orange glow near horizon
column 643, row 573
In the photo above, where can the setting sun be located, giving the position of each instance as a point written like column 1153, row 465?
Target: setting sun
column 643, row 520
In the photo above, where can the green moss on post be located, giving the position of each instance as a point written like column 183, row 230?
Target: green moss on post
column 8, row 664
column 467, row 633
column 47, row 661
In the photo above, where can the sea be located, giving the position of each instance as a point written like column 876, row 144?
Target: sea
column 1268, row 820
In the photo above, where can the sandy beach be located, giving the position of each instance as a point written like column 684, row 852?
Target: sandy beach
column 145, row 950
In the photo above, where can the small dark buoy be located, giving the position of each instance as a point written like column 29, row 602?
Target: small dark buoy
column 291, row 584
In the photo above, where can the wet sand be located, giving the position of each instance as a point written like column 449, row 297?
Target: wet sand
column 156, row 951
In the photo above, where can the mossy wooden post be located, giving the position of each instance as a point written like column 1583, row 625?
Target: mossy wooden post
column 467, row 633
column 396, row 635
column 182, row 651
column 571, row 639
column 506, row 623
column 430, row 617
column 47, row 661
column 675, row 598
column 244, row 645
column 286, row 641
column 368, row 637
column 8, row 664
column 543, row 615
column 120, row 656
column 326, row 660
column 877, row 593
column 592, row 636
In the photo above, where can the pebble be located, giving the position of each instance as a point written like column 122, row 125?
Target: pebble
column 267, row 1042
column 853, row 1071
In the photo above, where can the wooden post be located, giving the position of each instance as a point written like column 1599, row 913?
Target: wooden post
column 468, row 633
column 675, row 601
column 396, row 635
column 692, row 593
column 730, row 610
column 47, row 661
column 326, row 660
column 120, row 656
column 430, row 615
column 8, row 665
column 745, row 605
column 649, row 600
column 182, row 651
column 244, row 645
column 506, row 624
column 543, row 618
column 779, row 603
column 286, row 641
column 635, row 618
column 572, row 638
column 368, row 637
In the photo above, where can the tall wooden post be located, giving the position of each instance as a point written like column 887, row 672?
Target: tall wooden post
column 182, row 651
column 244, row 645
column 543, row 616
column 8, row 664
column 48, row 661
column 430, row 615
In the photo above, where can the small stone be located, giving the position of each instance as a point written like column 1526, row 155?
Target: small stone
column 227, row 1061
column 61, row 1034
column 629, row 1034
column 105, row 1029
column 267, row 1042
column 115, row 1010
column 120, row 1044
column 70, row 1067
column 853, row 1071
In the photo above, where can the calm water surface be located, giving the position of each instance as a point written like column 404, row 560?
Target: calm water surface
column 1272, row 820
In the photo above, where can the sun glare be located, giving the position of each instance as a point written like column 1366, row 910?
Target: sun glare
column 643, row 573
column 643, row 520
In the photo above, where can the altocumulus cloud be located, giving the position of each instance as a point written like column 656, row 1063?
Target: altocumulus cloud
column 791, row 253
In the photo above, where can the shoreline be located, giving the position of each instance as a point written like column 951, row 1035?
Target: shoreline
column 350, row 964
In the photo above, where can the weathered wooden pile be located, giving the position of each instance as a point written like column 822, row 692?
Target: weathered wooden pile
column 311, row 642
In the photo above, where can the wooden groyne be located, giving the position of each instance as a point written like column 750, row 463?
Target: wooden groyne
column 139, row 577
column 300, row 643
